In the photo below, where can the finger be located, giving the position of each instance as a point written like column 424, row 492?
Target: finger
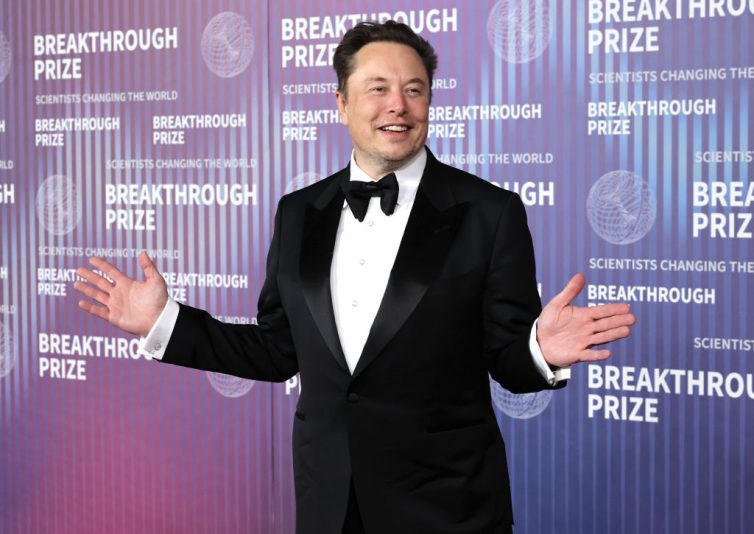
column 610, row 335
column 91, row 292
column 93, row 278
column 614, row 321
column 570, row 291
column 607, row 310
column 148, row 266
column 108, row 268
column 100, row 311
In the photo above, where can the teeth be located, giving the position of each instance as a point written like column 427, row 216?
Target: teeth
column 395, row 128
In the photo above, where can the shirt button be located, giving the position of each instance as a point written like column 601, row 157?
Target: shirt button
column 355, row 303
column 353, row 397
column 362, row 261
column 158, row 346
column 370, row 223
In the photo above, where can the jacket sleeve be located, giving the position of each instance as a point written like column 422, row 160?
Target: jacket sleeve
column 511, row 303
column 263, row 351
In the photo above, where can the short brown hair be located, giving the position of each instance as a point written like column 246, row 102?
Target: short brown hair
column 371, row 32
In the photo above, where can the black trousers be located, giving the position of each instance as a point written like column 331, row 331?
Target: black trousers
column 353, row 524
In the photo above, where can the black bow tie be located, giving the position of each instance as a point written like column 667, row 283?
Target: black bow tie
column 358, row 195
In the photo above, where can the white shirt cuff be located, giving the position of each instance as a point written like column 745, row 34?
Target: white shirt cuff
column 156, row 341
column 552, row 377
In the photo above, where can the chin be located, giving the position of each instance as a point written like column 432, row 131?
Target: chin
column 401, row 156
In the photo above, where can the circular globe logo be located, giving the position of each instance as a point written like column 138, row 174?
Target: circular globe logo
column 227, row 44
column 621, row 207
column 6, row 57
column 229, row 386
column 58, row 205
column 519, row 30
column 302, row 180
column 7, row 351
column 521, row 405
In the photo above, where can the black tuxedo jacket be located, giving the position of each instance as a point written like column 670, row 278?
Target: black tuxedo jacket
column 413, row 428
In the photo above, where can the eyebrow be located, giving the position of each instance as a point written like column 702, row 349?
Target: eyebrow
column 416, row 80
column 382, row 79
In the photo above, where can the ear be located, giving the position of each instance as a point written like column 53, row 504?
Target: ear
column 342, row 107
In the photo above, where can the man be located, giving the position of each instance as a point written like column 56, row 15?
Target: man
column 394, row 308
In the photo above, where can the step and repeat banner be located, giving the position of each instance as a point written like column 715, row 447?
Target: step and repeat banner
column 176, row 127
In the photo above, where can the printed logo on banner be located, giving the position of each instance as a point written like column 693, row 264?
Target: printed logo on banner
column 621, row 207
column 229, row 386
column 519, row 30
column 302, row 180
column 227, row 44
column 7, row 350
column 6, row 57
column 519, row 405
column 58, row 205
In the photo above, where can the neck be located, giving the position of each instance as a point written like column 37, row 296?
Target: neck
column 377, row 170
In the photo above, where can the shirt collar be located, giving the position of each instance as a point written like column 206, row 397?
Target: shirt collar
column 408, row 176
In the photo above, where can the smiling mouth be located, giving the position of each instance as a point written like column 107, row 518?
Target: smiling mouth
column 394, row 128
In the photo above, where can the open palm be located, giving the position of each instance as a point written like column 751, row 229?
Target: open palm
column 568, row 333
column 129, row 304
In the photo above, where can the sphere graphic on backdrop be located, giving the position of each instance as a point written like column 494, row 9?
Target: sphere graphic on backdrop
column 7, row 351
column 229, row 386
column 621, row 207
column 58, row 205
column 227, row 44
column 519, row 30
column 302, row 180
column 6, row 57
column 519, row 405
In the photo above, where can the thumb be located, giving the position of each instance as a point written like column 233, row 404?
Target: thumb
column 147, row 265
column 570, row 291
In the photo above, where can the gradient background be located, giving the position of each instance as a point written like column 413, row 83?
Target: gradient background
column 151, row 448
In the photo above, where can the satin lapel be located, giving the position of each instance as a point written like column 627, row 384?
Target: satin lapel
column 430, row 231
column 318, row 242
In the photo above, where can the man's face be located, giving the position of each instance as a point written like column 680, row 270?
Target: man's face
column 386, row 106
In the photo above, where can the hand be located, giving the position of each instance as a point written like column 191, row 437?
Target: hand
column 567, row 333
column 129, row 304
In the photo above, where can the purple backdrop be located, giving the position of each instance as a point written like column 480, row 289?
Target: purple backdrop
column 176, row 127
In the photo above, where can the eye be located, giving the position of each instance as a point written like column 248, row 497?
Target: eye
column 377, row 89
column 414, row 91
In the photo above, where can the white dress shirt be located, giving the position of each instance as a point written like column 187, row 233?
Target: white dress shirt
column 364, row 256
column 362, row 260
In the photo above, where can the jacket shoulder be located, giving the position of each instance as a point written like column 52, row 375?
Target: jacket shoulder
column 311, row 192
column 467, row 187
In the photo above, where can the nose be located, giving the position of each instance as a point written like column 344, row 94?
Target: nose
column 397, row 102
